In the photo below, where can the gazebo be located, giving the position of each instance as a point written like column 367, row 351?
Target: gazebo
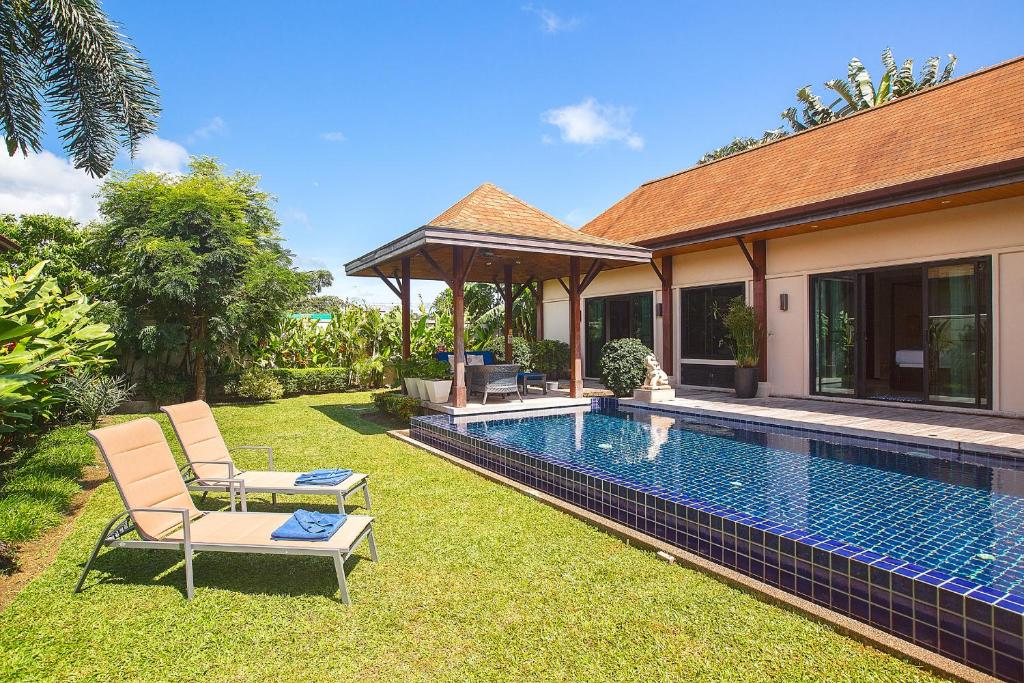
column 491, row 236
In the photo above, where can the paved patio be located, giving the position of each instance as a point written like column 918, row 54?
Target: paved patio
column 967, row 430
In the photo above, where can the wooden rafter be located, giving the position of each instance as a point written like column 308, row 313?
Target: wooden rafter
column 595, row 268
column 391, row 285
column 746, row 253
column 657, row 271
column 437, row 268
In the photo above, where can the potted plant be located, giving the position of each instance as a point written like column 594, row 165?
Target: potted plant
column 437, row 383
column 409, row 369
column 741, row 322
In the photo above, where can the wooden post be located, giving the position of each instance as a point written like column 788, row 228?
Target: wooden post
column 406, row 312
column 508, row 312
column 538, row 305
column 760, row 293
column 575, row 359
column 668, row 359
column 458, row 323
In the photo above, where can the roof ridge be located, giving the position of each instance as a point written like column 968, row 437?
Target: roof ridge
column 934, row 88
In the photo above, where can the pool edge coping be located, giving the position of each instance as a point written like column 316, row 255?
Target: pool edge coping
column 844, row 625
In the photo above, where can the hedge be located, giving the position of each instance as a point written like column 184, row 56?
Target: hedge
column 312, row 380
column 396, row 404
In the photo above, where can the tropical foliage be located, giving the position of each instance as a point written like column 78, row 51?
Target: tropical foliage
column 45, row 334
column 91, row 395
column 61, row 242
column 856, row 92
column 70, row 54
column 195, row 266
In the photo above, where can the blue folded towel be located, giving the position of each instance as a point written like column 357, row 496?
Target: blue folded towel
column 305, row 525
column 323, row 477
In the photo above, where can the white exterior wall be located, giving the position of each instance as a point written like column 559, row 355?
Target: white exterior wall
column 994, row 229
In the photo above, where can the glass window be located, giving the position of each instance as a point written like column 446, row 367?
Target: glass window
column 703, row 328
column 835, row 335
column 957, row 333
column 616, row 317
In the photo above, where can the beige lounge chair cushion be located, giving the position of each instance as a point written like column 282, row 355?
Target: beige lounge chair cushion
column 200, row 438
column 146, row 474
column 254, row 529
column 257, row 481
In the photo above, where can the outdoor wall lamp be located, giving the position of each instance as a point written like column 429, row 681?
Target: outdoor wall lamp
column 783, row 302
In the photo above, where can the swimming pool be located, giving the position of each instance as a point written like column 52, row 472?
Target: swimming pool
column 924, row 543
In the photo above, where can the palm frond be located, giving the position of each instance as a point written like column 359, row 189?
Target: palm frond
column 928, row 73
column 947, row 73
column 20, row 110
column 789, row 115
column 843, row 89
column 860, row 79
column 102, row 92
column 889, row 63
column 884, row 92
column 904, row 83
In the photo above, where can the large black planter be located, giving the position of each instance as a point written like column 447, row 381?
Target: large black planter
column 746, row 382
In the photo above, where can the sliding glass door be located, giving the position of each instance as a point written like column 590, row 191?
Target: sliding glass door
column 958, row 323
column 918, row 333
column 834, row 335
column 616, row 317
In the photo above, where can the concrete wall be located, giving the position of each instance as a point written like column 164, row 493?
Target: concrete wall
column 994, row 229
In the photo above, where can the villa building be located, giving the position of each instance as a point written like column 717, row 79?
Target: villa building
column 884, row 253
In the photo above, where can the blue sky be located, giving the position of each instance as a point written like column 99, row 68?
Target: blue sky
column 366, row 120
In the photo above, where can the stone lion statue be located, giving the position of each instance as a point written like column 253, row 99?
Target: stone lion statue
column 656, row 377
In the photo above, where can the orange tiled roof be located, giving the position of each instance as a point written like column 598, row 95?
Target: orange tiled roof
column 490, row 209
column 968, row 125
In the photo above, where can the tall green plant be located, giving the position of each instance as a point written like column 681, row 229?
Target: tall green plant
column 45, row 334
column 741, row 321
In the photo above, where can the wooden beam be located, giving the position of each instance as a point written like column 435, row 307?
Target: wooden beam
column 595, row 268
column 746, row 253
column 406, row 309
column 509, row 300
column 668, row 359
column 437, row 268
column 473, row 251
column 760, row 292
column 394, row 288
column 561, row 282
column 575, row 358
column 522, row 287
column 458, row 325
column 658, row 272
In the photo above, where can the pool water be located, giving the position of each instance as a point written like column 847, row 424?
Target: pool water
column 939, row 511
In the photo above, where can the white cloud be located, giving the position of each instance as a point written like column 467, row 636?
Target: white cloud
column 592, row 123
column 551, row 22
column 294, row 216
column 334, row 136
column 576, row 217
column 46, row 183
column 214, row 126
column 163, row 156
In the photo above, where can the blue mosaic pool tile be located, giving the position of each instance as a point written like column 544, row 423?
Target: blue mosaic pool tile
column 970, row 622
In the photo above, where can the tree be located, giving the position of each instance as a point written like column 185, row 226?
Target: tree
column 59, row 241
column 70, row 54
column 856, row 92
column 196, row 255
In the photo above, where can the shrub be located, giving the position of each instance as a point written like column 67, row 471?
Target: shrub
column 311, row 380
column 434, row 369
column 259, row 384
column 522, row 353
column 44, row 335
column 622, row 365
column 741, row 321
column 92, row 396
column 551, row 357
column 167, row 391
column 396, row 404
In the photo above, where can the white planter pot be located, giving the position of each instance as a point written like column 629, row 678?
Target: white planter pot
column 412, row 385
column 437, row 390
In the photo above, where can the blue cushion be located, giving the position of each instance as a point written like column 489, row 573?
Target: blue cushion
column 488, row 356
column 530, row 375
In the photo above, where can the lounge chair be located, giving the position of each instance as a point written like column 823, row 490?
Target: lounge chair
column 209, row 459
column 161, row 511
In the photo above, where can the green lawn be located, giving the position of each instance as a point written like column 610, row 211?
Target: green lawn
column 475, row 582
